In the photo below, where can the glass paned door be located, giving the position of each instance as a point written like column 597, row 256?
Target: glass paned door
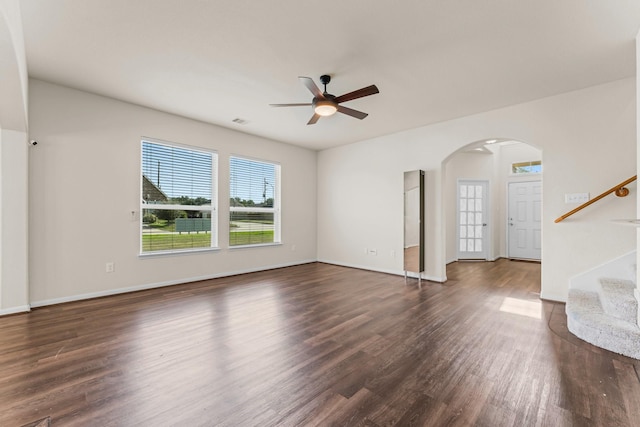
column 472, row 220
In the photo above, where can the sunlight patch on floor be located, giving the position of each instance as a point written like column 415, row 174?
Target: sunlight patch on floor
column 522, row 307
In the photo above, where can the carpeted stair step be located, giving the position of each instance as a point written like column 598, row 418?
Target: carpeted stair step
column 587, row 320
column 616, row 297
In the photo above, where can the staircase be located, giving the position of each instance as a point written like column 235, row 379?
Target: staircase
column 604, row 311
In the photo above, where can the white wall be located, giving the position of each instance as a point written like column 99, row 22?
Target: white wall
column 13, row 222
column 84, row 183
column 637, row 291
column 588, row 142
column 13, row 68
column 13, row 162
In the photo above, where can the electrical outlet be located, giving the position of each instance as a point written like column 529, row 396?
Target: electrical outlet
column 110, row 267
column 393, row 254
column 373, row 252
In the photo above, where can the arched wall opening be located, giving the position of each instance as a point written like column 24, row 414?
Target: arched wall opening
column 490, row 162
column 582, row 135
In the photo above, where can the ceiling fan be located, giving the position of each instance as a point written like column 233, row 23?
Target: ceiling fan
column 325, row 104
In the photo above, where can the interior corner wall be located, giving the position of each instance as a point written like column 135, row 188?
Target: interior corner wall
column 13, row 162
column 13, row 222
column 13, row 68
column 637, row 292
column 581, row 135
column 85, row 182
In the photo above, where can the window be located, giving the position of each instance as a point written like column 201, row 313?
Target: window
column 527, row 167
column 254, row 205
column 178, row 202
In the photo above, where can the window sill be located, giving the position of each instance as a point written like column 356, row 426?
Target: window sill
column 173, row 253
column 527, row 174
column 261, row 245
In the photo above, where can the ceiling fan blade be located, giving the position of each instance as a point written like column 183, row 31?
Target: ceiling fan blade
column 311, row 85
column 365, row 91
column 351, row 112
column 313, row 119
column 306, row 104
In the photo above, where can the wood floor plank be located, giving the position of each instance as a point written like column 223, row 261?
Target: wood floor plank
column 629, row 388
column 315, row 344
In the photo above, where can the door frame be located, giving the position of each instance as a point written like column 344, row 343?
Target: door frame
column 507, row 242
column 487, row 238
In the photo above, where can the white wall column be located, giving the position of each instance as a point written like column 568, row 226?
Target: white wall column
column 14, row 221
column 637, row 290
column 14, row 163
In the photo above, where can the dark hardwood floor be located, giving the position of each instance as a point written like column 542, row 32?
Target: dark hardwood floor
column 315, row 344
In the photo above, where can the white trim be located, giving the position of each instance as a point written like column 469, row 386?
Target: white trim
column 491, row 259
column 15, row 310
column 168, row 207
column 386, row 271
column 136, row 288
column 186, row 146
column 80, row 297
column 506, row 217
column 636, row 294
column 251, row 209
column 531, row 163
column 550, row 297
column 255, row 159
column 487, row 239
column 277, row 202
column 257, row 245
column 524, row 175
column 212, row 207
column 152, row 254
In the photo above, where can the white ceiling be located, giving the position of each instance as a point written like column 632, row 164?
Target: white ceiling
column 432, row 60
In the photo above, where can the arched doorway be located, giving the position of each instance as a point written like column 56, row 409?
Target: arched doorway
column 480, row 181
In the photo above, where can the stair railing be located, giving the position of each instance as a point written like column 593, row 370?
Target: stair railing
column 620, row 190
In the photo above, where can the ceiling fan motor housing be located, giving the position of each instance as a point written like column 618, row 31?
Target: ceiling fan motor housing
column 325, row 79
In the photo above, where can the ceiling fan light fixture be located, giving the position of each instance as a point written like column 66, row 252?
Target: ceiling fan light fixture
column 325, row 104
column 325, row 108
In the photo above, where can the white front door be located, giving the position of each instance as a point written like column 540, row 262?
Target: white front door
column 473, row 200
column 525, row 220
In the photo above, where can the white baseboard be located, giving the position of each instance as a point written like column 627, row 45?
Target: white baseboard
column 387, row 271
column 15, row 310
column 550, row 297
column 136, row 288
column 494, row 259
column 90, row 295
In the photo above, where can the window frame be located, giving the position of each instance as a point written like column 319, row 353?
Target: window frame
column 528, row 164
column 276, row 209
column 212, row 208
